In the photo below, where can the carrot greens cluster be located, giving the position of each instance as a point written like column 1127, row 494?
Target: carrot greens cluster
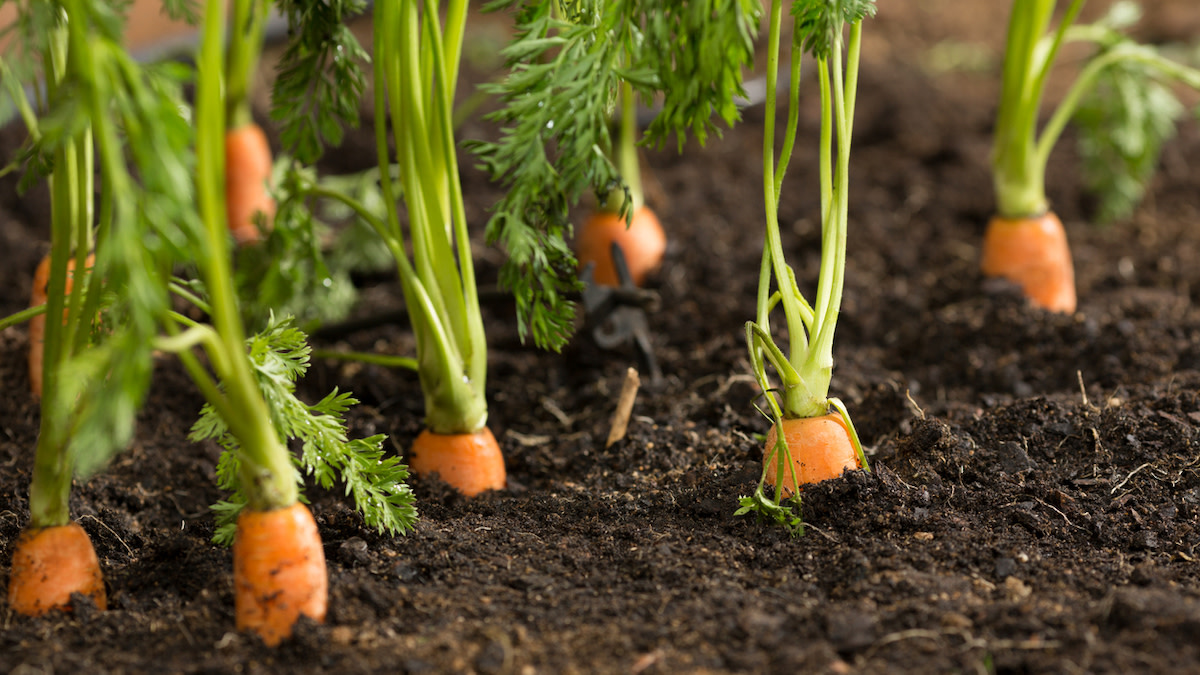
column 568, row 62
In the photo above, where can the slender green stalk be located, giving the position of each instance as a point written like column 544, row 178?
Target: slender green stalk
column 627, row 156
column 792, row 393
column 385, row 360
column 247, row 28
column 1087, row 78
column 268, row 478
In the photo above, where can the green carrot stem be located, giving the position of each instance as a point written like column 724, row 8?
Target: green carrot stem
column 268, row 478
column 773, row 239
column 386, row 360
column 627, row 157
column 247, row 29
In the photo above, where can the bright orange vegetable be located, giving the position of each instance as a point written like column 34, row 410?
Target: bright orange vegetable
column 471, row 463
column 37, row 325
column 247, row 172
column 820, row 447
column 278, row 571
column 51, row 563
column 643, row 244
column 1032, row 252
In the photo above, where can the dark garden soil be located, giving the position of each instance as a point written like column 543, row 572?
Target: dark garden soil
column 1035, row 500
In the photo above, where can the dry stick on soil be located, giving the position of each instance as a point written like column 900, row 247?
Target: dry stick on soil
column 620, row 418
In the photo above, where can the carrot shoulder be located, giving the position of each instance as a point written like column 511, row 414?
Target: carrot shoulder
column 643, row 244
column 51, row 563
column 471, row 463
column 820, row 448
column 1033, row 253
column 247, row 172
column 278, row 571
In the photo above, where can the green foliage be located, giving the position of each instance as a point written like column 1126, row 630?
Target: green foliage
column 148, row 224
column 182, row 10
column 320, row 80
column 279, row 356
column 567, row 63
column 818, row 23
column 785, row 514
column 287, row 273
column 1122, row 126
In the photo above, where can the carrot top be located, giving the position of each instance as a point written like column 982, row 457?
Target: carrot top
column 1125, row 114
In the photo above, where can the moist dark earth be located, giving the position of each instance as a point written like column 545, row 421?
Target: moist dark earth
column 1034, row 503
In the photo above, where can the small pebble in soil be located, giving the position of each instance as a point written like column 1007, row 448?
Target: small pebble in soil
column 354, row 550
column 1005, row 567
column 851, row 631
column 491, row 659
column 1145, row 539
column 1014, row 458
column 1016, row 589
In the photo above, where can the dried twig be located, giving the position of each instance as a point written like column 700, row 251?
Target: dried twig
column 620, row 418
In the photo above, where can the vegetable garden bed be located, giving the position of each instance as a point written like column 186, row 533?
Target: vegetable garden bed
column 1034, row 504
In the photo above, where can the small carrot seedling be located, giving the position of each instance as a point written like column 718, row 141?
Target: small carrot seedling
column 1124, row 113
column 807, row 442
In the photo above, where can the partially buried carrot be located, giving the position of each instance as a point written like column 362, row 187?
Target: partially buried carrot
column 247, row 171
column 278, row 571
column 51, row 563
column 37, row 325
column 643, row 242
column 820, row 449
column 471, row 463
column 1033, row 253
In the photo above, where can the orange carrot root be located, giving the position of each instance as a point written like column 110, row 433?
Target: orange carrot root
column 471, row 463
column 1032, row 252
column 247, row 171
column 51, row 563
column 278, row 571
column 37, row 325
column 643, row 244
column 820, row 447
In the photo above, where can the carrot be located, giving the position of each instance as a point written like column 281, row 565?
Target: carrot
column 643, row 244
column 820, row 448
column 278, row 571
column 37, row 325
column 247, row 171
column 471, row 463
column 1032, row 252
column 51, row 563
